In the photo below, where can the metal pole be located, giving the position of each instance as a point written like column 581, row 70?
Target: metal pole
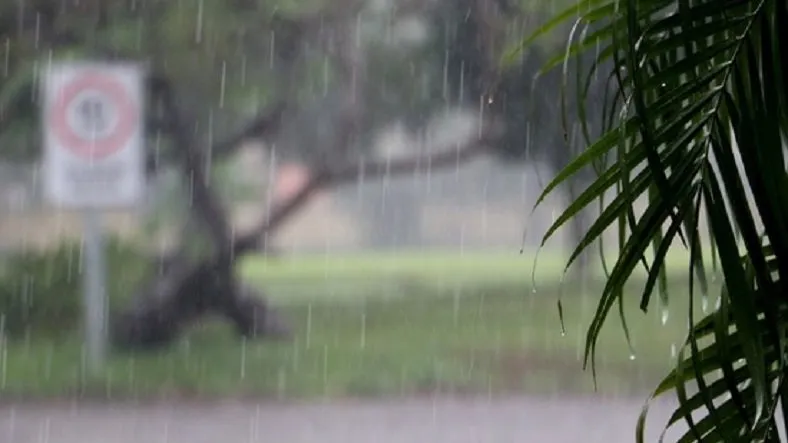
column 94, row 303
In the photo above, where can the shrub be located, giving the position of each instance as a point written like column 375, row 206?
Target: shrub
column 40, row 291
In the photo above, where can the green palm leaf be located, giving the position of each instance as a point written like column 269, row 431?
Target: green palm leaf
column 696, row 121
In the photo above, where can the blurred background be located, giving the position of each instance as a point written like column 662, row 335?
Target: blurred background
column 482, row 206
column 387, row 161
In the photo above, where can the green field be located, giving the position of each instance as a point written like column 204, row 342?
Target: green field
column 382, row 325
column 361, row 275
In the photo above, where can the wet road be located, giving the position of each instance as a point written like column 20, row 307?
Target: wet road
column 559, row 420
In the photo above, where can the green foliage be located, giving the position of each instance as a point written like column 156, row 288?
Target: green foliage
column 40, row 291
column 698, row 115
column 201, row 46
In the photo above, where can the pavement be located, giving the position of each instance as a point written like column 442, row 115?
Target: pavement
column 419, row 420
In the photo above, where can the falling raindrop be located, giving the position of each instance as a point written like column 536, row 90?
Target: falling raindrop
column 672, row 350
column 632, row 356
column 386, row 182
column 254, row 426
column 357, row 30
column 296, row 355
column 579, row 344
column 665, row 315
column 484, row 210
column 456, row 312
column 704, row 303
column 3, row 362
column 243, row 358
column 34, row 91
column 480, row 122
column 11, row 423
column 325, row 367
column 130, row 371
column 43, row 432
column 223, row 85
column 37, row 31
column 461, row 86
column 528, row 142
column 50, row 56
column 308, row 333
column 7, row 57
column 243, row 70
column 108, row 383
column 326, row 77
column 445, row 86
column 199, row 25
column 524, row 239
column 533, row 273
column 209, row 154
column 363, row 339
column 272, row 50
column 48, row 362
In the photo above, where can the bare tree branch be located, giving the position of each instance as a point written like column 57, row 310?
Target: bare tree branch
column 267, row 123
column 326, row 174
column 207, row 207
column 346, row 54
column 323, row 179
column 264, row 126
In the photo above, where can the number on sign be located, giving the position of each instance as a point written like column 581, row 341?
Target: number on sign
column 93, row 116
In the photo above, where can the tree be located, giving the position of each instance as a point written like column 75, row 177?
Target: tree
column 701, row 112
column 192, row 117
column 476, row 34
column 458, row 67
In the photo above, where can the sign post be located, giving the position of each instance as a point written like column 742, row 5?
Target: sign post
column 93, row 160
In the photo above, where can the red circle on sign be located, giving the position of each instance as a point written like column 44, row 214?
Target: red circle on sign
column 126, row 116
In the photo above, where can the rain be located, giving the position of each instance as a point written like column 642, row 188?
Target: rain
column 318, row 221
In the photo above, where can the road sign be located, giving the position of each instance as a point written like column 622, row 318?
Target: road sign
column 93, row 159
column 93, row 135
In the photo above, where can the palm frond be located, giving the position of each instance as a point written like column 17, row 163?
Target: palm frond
column 696, row 124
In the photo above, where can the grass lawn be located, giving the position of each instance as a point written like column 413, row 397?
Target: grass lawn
column 380, row 326
column 429, row 267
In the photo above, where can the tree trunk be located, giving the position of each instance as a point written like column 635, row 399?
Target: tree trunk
column 184, row 293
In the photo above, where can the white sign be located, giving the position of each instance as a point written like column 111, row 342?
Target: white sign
column 93, row 135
